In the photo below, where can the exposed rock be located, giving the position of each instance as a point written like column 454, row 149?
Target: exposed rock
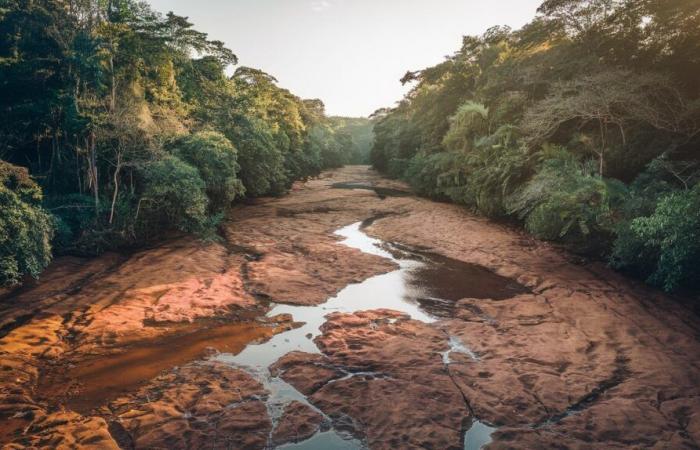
column 304, row 371
column 395, row 391
column 180, row 282
column 298, row 423
column 66, row 430
column 19, row 373
column 299, row 261
column 92, row 382
column 205, row 405
column 588, row 360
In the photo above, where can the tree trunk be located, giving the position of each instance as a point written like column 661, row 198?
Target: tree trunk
column 92, row 162
column 116, row 187
column 603, row 144
column 113, row 99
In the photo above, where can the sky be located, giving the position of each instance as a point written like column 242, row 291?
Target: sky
column 349, row 53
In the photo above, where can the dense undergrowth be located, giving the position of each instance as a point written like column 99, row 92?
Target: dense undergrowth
column 584, row 125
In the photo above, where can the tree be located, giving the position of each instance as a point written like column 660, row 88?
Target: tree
column 217, row 162
column 604, row 106
column 262, row 163
column 174, row 197
column 564, row 201
column 666, row 244
column 610, row 84
column 25, row 228
column 470, row 121
column 129, row 121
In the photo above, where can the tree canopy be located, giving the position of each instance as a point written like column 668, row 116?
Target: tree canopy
column 128, row 123
column 584, row 125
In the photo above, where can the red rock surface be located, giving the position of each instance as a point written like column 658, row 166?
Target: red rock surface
column 298, row 423
column 588, row 360
column 86, row 309
column 66, row 430
column 298, row 259
column 306, row 372
column 591, row 360
column 203, row 405
column 395, row 391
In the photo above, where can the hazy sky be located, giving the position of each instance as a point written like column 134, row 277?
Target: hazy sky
column 349, row 53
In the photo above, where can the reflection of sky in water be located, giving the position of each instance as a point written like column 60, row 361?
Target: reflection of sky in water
column 397, row 290
column 390, row 291
column 477, row 436
column 326, row 440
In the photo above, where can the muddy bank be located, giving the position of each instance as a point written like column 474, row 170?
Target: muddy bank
column 490, row 336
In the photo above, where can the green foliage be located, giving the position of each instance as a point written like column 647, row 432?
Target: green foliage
column 566, row 201
column 331, row 150
column 491, row 173
column 93, row 94
column 174, row 197
column 263, row 171
column 25, row 228
column 470, row 122
column 395, row 139
column 423, row 171
column 665, row 244
column 79, row 229
column 546, row 124
column 361, row 136
column 482, row 178
column 217, row 162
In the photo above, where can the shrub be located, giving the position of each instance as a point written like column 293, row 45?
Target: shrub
column 25, row 228
column 262, row 163
column 469, row 122
column 481, row 177
column 217, row 162
column 174, row 198
column 327, row 146
column 665, row 244
column 305, row 162
column 491, row 172
column 398, row 167
column 567, row 201
column 424, row 171
column 80, row 229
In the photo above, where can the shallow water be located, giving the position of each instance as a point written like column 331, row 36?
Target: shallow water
column 457, row 346
column 324, row 440
column 381, row 192
column 107, row 377
column 477, row 436
column 424, row 286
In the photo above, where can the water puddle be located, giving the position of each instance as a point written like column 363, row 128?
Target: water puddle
column 425, row 286
column 478, row 436
column 444, row 281
column 95, row 382
column 325, row 440
column 381, row 192
column 456, row 346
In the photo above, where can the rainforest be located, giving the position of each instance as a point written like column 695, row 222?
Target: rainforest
column 194, row 256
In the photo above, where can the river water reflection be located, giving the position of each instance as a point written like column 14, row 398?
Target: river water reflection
column 424, row 286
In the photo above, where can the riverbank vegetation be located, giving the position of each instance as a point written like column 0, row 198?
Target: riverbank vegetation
column 118, row 124
column 584, row 126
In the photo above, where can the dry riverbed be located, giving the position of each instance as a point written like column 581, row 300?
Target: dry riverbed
column 347, row 314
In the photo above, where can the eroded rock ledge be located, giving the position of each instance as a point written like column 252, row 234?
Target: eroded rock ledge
column 382, row 378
